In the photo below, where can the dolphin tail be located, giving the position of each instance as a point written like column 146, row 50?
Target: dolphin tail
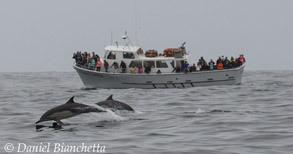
column 97, row 110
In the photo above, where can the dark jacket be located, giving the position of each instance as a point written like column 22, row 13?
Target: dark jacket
column 123, row 65
column 106, row 65
column 147, row 69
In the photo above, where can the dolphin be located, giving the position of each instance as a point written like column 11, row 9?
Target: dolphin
column 67, row 110
column 114, row 105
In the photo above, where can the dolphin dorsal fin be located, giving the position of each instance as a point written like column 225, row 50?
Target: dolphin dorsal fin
column 110, row 97
column 70, row 100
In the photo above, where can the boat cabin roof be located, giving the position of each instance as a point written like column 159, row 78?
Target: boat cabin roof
column 122, row 48
column 157, row 58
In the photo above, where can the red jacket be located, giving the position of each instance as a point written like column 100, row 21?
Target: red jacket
column 99, row 63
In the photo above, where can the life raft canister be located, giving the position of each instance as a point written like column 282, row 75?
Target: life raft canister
column 151, row 53
column 169, row 52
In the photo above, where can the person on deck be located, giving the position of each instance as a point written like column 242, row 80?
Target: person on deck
column 133, row 70
column 123, row 66
column 99, row 64
column 199, row 65
column 140, row 69
column 222, row 58
column 106, row 65
column 116, row 66
column 232, row 62
column 185, row 66
column 205, row 66
column 75, row 57
column 147, row 69
column 211, row 64
column 219, row 60
column 241, row 59
column 202, row 60
column 84, row 59
column 88, row 59
column 238, row 62
column 226, row 63
column 177, row 69
column 92, row 64
column 220, row 66
column 79, row 58
column 192, row 68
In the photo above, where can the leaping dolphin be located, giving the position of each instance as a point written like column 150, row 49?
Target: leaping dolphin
column 67, row 110
column 114, row 105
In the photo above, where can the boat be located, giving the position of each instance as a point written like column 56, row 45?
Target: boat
column 162, row 73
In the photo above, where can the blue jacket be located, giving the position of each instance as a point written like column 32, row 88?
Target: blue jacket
column 93, row 63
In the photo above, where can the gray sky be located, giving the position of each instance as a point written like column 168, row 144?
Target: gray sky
column 42, row 35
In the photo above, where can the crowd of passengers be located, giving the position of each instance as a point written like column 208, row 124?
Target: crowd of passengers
column 203, row 65
column 89, row 61
column 93, row 62
column 221, row 63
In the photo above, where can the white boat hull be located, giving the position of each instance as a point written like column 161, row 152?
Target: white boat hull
column 94, row 79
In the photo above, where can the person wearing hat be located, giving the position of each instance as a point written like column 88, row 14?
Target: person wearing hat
column 116, row 66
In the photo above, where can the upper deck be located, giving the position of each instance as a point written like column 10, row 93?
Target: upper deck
column 136, row 52
column 132, row 49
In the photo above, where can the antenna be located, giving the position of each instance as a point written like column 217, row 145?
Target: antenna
column 135, row 13
column 111, row 38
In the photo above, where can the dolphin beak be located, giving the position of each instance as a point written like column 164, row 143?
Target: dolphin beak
column 102, row 110
column 38, row 121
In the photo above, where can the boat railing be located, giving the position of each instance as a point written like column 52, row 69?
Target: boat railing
column 112, row 70
column 91, row 68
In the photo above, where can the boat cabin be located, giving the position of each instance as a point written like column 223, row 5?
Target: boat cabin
column 134, row 55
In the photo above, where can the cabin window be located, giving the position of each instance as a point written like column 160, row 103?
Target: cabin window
column 135, row 63
column 128, row 55
column 111, row 55
column 150, row 63
column 172, row 63
column 161, row 64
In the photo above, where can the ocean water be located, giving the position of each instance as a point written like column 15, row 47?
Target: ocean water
column 254, row 117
